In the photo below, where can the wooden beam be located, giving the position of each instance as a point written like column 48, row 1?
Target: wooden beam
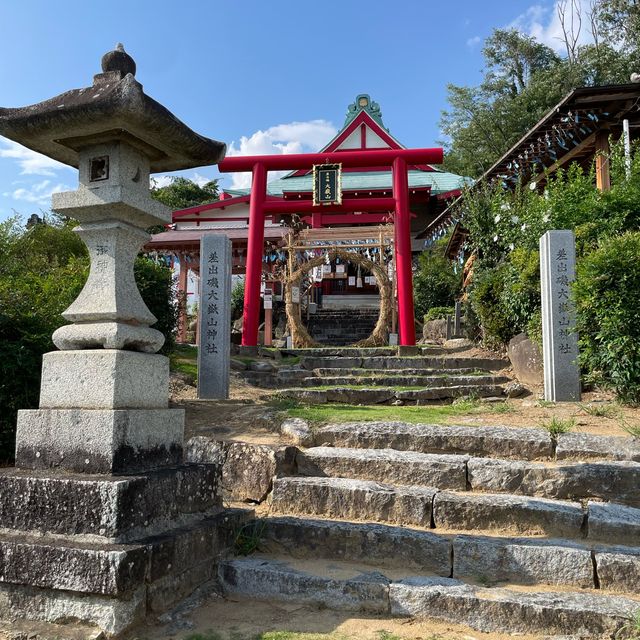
column 603, row 174
column 567, row 157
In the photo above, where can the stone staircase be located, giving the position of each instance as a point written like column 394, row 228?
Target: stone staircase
column 383, row 377
column 342, row 327
column 502, row 529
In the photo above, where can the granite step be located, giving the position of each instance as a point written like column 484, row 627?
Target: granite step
column 401, row 362
column 385, row 394
column 352, row 499
column 361, row 371
column 617, row 481
column 502, row 442
column 344, row 587
column 391, row 380
column 488, row 560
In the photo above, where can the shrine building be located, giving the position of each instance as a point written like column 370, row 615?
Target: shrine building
column 366, row 184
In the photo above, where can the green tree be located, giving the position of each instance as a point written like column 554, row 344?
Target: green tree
column 436, row 283
column 183, row 193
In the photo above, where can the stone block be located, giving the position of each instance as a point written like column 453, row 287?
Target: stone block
column 613, row 523
column 386, row 465
column 506, row 611
column 618, row 568
column 99, row 440
column 505, row 442
column 522, row 561
column 247, row 469
column 63, row 564
column 297, row 431
column 113, row 615
column 526, row 360
column 110, row 508
column 607, row 480
column 172, row 588
column 104, row 379
column 508, row 513
column 584, row 446
column 271, row 580
column 359, row 396
column 379, row 545
column 353, row 500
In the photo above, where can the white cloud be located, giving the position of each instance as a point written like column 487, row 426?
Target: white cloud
column 29, row 161
column 472, row 42
column 293, row 137
column 544, row 24
column 39, row 193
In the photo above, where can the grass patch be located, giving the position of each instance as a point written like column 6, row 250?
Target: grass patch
column 600, row 410
column 327, row 413
column 248, row 538
column 545, row 404
column 632, row 429
column 500, row 407
column 631, row 629
column 184, row 359
column 557, row 426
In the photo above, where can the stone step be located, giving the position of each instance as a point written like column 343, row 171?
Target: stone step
column 404, row 362
column 382, row 395
column 361, row 371
column 391, row 380
column 345, row 588
column 610, row 481
column 523, row 443
column 503, row 442
column 351, row 499
column 386, row 465
column 480, row 559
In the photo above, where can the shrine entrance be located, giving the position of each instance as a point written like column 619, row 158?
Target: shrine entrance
column 335, row 211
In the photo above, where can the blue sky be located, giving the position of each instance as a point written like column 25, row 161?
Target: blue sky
column 265, row 76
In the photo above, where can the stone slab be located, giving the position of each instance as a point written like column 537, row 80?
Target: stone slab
column 613, row 523
column 99, row 440
column 104, row 379
column 618, row 568
column 297, row 431
column 522, row 561
column 106, row 569
column 385, row 465
column 359, row 396
column 584, row 446
column 559, row 337
column 107, row 508
column 505, row 442
column 272, row 580
column 453, row 391
column 247, row 469
column 353, row 500
column 618, row 481
column 375, row 544
column 503, row 610
column 215, row 317
column 330, row 362
column 113, row 615
column 526, row 359
column 508, row 513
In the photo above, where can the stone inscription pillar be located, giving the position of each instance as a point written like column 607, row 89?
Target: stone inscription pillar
column 214, row 325
column 559, row 337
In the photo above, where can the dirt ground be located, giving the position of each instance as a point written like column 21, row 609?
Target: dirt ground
column 239, row 619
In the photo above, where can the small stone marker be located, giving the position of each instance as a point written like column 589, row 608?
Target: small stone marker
column 215, row 317
column 559, row 337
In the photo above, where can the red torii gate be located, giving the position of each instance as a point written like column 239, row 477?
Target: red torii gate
column 260, row 204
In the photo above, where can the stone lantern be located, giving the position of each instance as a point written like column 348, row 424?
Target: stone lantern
column 102, row 522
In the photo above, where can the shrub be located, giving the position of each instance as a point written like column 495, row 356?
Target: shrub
column 436, row 283
column 439, row 313
column 609, row 314
column 237, row 299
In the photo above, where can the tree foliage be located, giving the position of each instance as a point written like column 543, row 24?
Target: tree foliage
column 523, row 79
column 183, row 193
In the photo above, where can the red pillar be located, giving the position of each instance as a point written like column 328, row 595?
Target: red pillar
column 182, row 298
column 255, row 248
column 403, row 254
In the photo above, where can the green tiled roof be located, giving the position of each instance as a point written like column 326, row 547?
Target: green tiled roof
column 439, row 181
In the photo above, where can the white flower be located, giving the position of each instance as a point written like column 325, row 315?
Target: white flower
column 546, row 217
column 512, row 247
column 532, row 186
column 523, row 227
column 495, row 238
column 505, row 206
column 545, row 195
column 497, row 219
column 515, row 219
